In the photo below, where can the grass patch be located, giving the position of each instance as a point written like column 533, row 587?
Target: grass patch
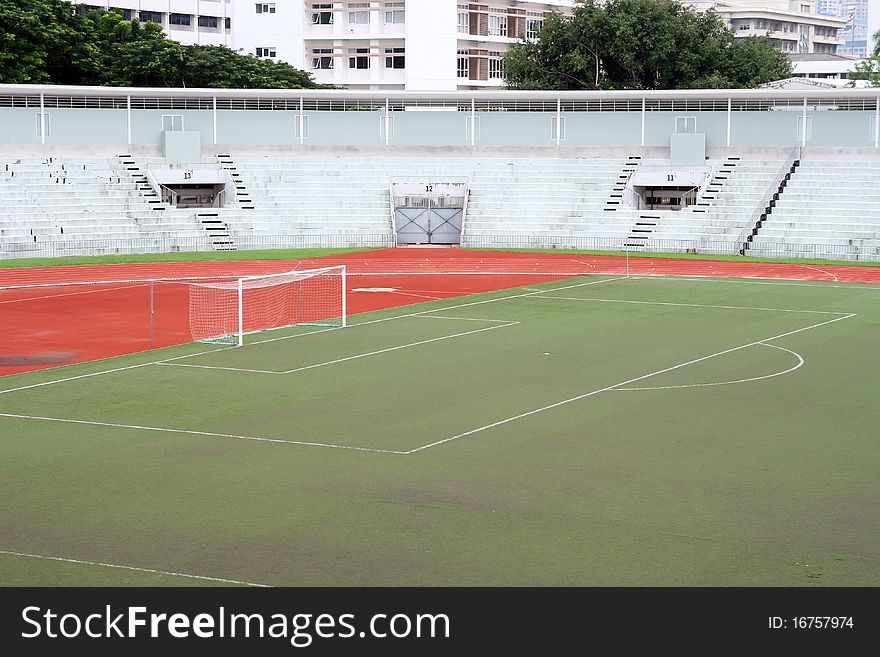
column 199, row 256
column 692, row 256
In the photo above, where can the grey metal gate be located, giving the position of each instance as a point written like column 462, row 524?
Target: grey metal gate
column 428, row 225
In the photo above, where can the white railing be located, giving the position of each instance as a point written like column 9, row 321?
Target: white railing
column 772, row 188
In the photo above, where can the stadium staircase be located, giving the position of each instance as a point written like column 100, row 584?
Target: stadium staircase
column 830, row 209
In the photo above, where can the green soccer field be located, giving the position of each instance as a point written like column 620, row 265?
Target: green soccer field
column 601, row 431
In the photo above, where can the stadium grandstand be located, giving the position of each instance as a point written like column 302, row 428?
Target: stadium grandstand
column 87, row 170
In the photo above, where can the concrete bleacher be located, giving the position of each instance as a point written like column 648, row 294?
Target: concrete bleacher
column 570, row 206
column 78, row 199
column 829, row 209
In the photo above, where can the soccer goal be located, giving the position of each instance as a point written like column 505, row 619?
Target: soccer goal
column 223, row 312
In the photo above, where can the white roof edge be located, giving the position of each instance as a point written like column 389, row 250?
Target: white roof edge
column 342, row 94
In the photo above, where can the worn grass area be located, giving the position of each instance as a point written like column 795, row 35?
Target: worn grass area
column 425, row 450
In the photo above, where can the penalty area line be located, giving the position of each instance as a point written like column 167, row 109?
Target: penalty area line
column 616, row 386
column 138, row 569
column 192, row 432
column 342, row 360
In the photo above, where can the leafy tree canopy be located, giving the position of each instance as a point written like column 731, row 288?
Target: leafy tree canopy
column 868, row 69
column 50, row 41
column 641, row 44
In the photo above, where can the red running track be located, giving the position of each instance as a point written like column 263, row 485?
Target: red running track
column 50, row 326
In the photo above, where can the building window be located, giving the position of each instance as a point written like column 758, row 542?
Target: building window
column 472, row 128
column 497, row 25
column 382, row 121
column 495, row 66
column 800, row 128
column 396, row 16
column 42, row 119
column 557, row 129
column 533, row 28
column 322, row 14
column 805, row 9
column 150, row 17
column 208, row 21
column 394, row 58
column 872, row 129
column 127, row 14
column 227, row 24
column 172, row 122
column 463, row 68
column 361, row 60
column 266, row 51
column 359, row 18
column 685, row 124
column 464, row 22
column 265, row 7
column 301, row 132
column 179, row 19
column 322, row 58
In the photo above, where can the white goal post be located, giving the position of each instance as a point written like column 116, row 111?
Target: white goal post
column 223, row 312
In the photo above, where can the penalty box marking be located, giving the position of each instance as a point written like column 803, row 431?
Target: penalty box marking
column 301, row 335
column 620, row 386
column 498, row 325
column 616, row 386
column 429, row 445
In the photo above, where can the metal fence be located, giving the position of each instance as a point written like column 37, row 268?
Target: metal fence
column 850, row 252
column 62, row 248
column 57, row 249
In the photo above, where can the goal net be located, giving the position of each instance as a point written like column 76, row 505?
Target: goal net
column 223, row 312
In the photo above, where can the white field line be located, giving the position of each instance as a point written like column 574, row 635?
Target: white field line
column 622, row 383
column 115, row 369
column 73, row 294
column 210, row 434
column 693, row 305
column 468, row 319
column 420, row 313
column 300, row 335
column 347, row 358
column 134, row 568
column 749, row 280
column 727, row 383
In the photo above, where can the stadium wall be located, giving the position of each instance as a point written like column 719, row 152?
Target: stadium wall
column 298, row 119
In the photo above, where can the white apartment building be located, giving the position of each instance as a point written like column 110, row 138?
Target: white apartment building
column 794, row 26
column 427, row 45
column 204, row 22
column 417, row 45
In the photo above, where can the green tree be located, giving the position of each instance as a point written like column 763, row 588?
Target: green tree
column 217, row 66
column 877, row 42
column 33, row 33
column 50, row 41
column 640, row 44
column 868, row 69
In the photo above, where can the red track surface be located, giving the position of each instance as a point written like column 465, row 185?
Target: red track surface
column 51, row 326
